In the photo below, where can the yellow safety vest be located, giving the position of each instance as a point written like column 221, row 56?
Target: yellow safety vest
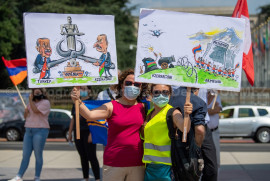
column 157, row 144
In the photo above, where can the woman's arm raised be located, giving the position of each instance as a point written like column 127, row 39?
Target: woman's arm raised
column 102, row 112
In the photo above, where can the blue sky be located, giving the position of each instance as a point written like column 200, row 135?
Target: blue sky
column 253, row 5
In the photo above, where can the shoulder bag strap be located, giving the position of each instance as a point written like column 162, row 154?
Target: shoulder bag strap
column 110, row 94
column 145, row 110
column 169, row 119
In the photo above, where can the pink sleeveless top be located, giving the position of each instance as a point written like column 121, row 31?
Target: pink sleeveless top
column 124, row 147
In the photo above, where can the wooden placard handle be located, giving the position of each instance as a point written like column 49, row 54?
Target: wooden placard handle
column 77, row 117
column 186, row 117
column 215, row 99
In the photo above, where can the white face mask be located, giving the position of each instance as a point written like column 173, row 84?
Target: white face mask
column 161, row 100
column 131, row 92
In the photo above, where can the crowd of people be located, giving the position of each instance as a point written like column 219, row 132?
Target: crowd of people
column 215, row 70
column 138, row 144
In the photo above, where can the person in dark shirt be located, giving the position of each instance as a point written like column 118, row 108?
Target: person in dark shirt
column 84, row 145
column 203, row 135
column 197, row 116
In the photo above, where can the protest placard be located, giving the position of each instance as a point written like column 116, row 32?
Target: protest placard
column 190, row 50
column 70, row 49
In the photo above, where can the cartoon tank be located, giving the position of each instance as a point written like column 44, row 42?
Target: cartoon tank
column 166, row 62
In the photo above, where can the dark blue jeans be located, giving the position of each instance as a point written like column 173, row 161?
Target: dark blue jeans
column 34, row 139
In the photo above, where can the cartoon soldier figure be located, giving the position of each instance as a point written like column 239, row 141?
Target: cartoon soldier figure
column 214, row 69
column 202, row 63
column 224, row 72
column 233, row 73
column 208, row 67
column 219, row 71
column 197, row 61
column 104, row 61
column 229, row 73
column 43, row 58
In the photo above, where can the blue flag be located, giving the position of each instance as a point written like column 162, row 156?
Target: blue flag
column 98, row 128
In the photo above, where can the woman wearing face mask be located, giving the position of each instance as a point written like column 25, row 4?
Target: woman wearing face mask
column 123, row 154
column 84, row 145
column 157, row 143
column 36, row 132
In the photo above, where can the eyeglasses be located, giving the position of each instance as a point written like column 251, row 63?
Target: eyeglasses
column 136, row 84
column 165, row 93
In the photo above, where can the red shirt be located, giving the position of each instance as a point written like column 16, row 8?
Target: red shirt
column 124, row 147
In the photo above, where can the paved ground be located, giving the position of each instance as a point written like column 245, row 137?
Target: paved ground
column 65, row 166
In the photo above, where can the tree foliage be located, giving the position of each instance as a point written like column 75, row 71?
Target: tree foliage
column 12, row 35
column 264, row 13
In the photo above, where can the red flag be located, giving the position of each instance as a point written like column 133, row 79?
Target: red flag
column 241, row 11
column 17, row 69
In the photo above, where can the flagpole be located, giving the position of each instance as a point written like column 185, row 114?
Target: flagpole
column 20, row 96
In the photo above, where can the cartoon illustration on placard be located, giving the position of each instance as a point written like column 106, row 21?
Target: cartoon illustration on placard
column 43, row 58
column 202, row 54
column 104, row 62
column 67, row 57
column 221, row 49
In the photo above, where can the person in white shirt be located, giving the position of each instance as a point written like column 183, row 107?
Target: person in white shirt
column 107, row 94
column 214, row 121
column 208, row 146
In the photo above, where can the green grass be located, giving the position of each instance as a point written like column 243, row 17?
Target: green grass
column 180, row 74
column 202, row 75
column 82, row 80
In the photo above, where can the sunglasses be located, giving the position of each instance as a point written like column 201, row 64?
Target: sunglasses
column 165, row 93
column 136, row 84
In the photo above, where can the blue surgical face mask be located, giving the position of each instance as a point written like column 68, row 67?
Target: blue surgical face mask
column 160, row 100
column 83, row 93
column 131, row 92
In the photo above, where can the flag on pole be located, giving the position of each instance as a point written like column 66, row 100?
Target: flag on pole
column 17, row 69
column 98, row 128
column 262, row 42
column 268, row 29
column 266, row 36
column 197, row 49
column 237, row 65
column 241, row 11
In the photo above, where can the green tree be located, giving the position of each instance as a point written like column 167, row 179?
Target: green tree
column 264, row 13
column 12, row 36
column 124, row 23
